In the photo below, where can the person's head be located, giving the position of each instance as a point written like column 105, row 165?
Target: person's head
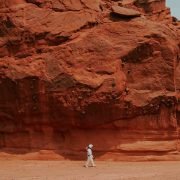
column 90, row 145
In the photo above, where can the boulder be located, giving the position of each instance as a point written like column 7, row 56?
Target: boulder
column 125, row 12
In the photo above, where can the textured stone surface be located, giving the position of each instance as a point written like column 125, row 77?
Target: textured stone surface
column 72, row 73
column 155, row 9
column 125, row 12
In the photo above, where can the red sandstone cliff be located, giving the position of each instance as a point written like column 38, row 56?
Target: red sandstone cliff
column 90, row 71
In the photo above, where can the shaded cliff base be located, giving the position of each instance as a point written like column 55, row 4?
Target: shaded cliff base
column 111, row 156
column 109, row 144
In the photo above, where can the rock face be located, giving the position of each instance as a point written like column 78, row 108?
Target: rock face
column 154, row 9
column 73, row 73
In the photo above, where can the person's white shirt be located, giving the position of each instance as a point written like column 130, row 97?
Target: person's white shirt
column 89, row 152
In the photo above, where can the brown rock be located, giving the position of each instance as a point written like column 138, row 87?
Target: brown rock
column 125, row 12
column 155, row 9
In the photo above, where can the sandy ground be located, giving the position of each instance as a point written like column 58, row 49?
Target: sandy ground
column 68, row 170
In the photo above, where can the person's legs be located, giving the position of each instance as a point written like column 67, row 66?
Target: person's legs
column 87, row 162
column 92, row 161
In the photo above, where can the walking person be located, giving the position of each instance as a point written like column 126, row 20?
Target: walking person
column 89, row 156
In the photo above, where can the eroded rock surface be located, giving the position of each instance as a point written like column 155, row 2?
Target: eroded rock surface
column 73, row 73
column 125, row 12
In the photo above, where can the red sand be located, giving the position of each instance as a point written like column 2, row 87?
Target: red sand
column 74, row 170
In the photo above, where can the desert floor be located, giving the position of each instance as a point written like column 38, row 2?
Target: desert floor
column 74, row 170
